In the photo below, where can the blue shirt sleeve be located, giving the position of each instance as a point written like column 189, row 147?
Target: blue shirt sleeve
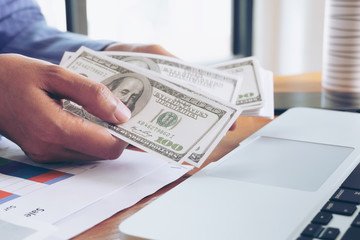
column 24, row 30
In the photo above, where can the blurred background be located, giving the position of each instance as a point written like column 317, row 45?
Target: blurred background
column 285, row 35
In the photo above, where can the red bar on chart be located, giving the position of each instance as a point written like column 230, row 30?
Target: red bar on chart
column 6, row 196
column 50, row 177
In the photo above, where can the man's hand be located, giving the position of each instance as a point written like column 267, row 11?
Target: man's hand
column 31, row 114
column 144, row 48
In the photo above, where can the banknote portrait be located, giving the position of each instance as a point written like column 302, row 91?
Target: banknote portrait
column 132, row 89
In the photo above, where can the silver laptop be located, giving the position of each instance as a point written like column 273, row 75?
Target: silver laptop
column 296, row 178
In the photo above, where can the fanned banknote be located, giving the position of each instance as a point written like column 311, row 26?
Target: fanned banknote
column 167, row 120
column 254, row 95
column 207, row 80
column 199, row 78
column 253, row 91
column 251, row 94
column 247, row 95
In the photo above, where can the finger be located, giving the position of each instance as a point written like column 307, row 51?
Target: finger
column 69, row 131
column 143, row 48
column 94, row 97
column 91, row 139
column 61, row 155
column 154, row 49
column 233, row 126
column 93, row 143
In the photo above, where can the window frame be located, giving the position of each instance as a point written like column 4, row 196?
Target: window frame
column 242, row 23
column 242, row 27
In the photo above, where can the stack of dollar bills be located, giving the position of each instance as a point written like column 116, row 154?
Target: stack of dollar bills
column 180, row 111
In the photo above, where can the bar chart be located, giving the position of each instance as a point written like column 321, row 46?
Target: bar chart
column 6, row 196
column 18, row 179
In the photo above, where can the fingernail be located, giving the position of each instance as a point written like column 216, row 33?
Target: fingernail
column 122, row 113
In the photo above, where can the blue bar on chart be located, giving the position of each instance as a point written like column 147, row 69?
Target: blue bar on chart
column 30, row 172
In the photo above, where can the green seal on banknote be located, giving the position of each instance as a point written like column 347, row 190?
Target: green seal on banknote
column 167, row 119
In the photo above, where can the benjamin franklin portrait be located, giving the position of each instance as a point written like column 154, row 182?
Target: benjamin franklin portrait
column 133, row 89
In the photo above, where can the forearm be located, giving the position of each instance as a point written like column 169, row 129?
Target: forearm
column 43, row 42
column 23, row 30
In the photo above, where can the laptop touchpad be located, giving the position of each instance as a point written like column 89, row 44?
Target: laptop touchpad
column 283, row 163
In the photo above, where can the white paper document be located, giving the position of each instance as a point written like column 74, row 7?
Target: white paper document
column 66, row 195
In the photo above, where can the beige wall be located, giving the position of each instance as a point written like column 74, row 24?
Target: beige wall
column 288, row 35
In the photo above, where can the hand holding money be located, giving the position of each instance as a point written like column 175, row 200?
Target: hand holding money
column 179, row 111
column 32, row 116
column 163, row 114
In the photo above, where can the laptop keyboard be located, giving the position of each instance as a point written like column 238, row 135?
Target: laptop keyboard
column 339, row 218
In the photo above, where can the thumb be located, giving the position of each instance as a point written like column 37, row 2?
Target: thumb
column 94, row 97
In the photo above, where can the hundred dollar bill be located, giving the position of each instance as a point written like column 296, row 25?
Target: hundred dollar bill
column 166, row 120
column 65, row 57
column 250, row 95
column 204, row 148
column 210, row 81
column 207, row 80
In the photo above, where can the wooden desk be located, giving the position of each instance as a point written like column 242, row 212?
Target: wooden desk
column 245, row 127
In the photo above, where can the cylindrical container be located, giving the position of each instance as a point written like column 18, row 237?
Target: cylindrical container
column 341, row 52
